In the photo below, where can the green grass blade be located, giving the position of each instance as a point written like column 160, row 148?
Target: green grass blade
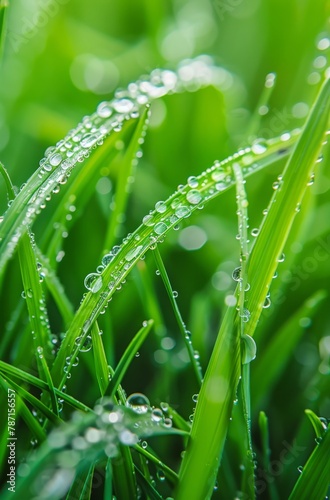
column 127, row 357
column 23, row 411
column 12, row 371
column 265, row 447
column 108, row 481
column 35, row 402
column 290, row 190
column 148, row 489
column 182, row 327
column 211, row 420
column 81, row 488
column 3, row 18
column 314, row 480
column 126, row 167
column 316, row 423
column 100, row 360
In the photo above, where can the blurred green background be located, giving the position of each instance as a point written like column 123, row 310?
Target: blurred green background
column 61, row 58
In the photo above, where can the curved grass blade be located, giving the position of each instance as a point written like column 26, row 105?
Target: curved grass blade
column 127, row 165
column 12, row 371
column 316, row 423
column 35, row 402
column 127, row 357
column 314, row 480
column 119, row 262
column 59, row 161
column 182, row 327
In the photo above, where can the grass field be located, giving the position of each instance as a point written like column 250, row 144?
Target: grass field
column 165, row 249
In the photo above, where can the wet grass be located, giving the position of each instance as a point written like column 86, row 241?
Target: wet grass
column 146, row 343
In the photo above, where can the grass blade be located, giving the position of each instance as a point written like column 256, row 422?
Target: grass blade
column 314, row 480
column 127, row 357
column 100, row 360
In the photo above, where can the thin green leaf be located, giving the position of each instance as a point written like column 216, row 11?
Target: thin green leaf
column 100, row 360
column 316, row 423
column 182, row 327
column 314, row 480
column 127, row 357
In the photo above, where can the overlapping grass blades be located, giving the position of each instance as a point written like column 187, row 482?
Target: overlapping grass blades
column 211, row 421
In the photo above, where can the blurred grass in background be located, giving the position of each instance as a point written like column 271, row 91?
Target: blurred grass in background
column 61, row 58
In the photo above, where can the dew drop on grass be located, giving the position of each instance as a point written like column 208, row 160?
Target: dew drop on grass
column 93, row 282
column 193, row 182
column 54, row 160
column 236, row 275
column 144, row 444
column 132, row 254
column 148, row 220
column 259, row 146
column 161, row 475
column 88, row 140
column 267, row 303
column 195, row 398
column 182, row 211
column 157, row 415
column 255, row 232
column 194, row 196
column 245, row 315
column 160, row 228
column 104, row 110
column 138, row 402
column 160, row 207
column 86, row 345
column 249, row 349
column 123, row 105
column 281, row 258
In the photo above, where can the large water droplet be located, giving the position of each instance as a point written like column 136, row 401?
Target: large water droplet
column 249, row 349
column 237, row 274
column 194, row 196
column 133, row 253
column 123, row 105
column 89, row 140
column 54, row 160
column 104, row 110
column 93, row 282
column 160, row 228
column 259, row 146
column 138, row 402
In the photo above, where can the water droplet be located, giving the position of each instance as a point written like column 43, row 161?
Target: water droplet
column 160, row 228
column 88, row 140
column 245, row 315
column 281, row 257
column 193, row 182
column 164, row 406
column 194, row 196
column 138, row 402
column 157, row 415
column 144, row 444
column 249, row 349
column 132, row 254
column 195, row 398
column 267, row 303
column 86, row 345
column 311, row 180
column 276, row 185
column 93, row 282
column 175, row 294
column 259, row 146
column 148, row 220
column 160, row 207
column 123, row 105
column 161, row 475
column 104, row 110
column 182, row 211
column 300, row 469
column 54, row 160
column 255, row 232
column 236, row 275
